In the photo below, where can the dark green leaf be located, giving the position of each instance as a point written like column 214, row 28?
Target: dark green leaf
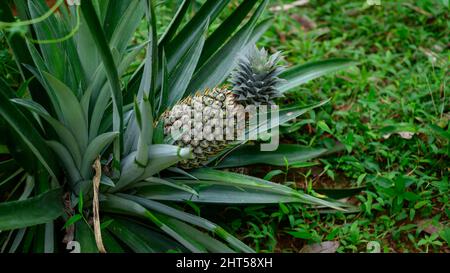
column 72, row 220
column 33, row 211
column 252, row 154
column 226, row 29
column 183, row 40
column 174, row 24
column 27, row 133
column 113, row 77
column 217, row 68
column 85, row 237
column 301, row 74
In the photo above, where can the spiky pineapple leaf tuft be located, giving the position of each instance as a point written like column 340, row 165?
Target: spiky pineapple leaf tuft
column 255, row 79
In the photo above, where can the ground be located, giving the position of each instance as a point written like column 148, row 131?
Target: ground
column 391, row 112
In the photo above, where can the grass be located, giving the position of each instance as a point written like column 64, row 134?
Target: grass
column 392, row 115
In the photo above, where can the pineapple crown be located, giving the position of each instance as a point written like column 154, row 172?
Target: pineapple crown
column 255, row 79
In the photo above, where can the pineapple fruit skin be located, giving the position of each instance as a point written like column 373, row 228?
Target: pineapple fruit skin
column 206, row 122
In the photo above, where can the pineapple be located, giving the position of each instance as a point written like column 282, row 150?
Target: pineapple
column 208, row 122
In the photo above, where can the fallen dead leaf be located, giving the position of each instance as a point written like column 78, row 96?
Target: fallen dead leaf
column 282, row 37
column 428, row 226
column 433, row 57
column 289, row 6
column 404, row 135
column 324, row 247
column 305, row 21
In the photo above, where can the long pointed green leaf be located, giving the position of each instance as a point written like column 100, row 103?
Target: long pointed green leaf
column 114, row 15
column 146, row 132
column 189, row 218
column 111, row 244
column 27, row 133
column 113, row 77
column 64, row 134
column 181, row 76
column 88, row 53
column 66, row 159
column 133, row 240
column 215, row 194
column 197, row 237
column 252, row 154
column 174, row 24
column 128, row 22
column 154, row 52
column 284, row 115
column 226, row 29
column 120, row 205
column 85, row 237
column 151, row 181
column 164, row 95
column 161, row 156
column 53, row 54
column 131, row 171
column 259, row 30
column 99, row 102
column 301, row 74
column 17, row 240
column 147, row 81
column 142, row 239
column 38, row 73
column 33, row 211
column 183, row 40
column 49, row 240
column 93, row 150
column 72, row 112
column 217, row 68
column 243, row 181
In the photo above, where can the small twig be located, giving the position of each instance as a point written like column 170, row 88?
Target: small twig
column 95, row 206
column 289, row 6
column 418, row 10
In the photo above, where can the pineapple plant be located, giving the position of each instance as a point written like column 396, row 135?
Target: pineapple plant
column 83, row 146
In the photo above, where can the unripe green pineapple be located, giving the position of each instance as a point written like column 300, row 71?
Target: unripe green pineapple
column 209, row 121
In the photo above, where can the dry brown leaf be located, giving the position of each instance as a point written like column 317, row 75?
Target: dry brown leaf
column 323, row 247
column 305, row 21
column 95, row 206
column 289, row 6
column 404, row 135
column 428, row 226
